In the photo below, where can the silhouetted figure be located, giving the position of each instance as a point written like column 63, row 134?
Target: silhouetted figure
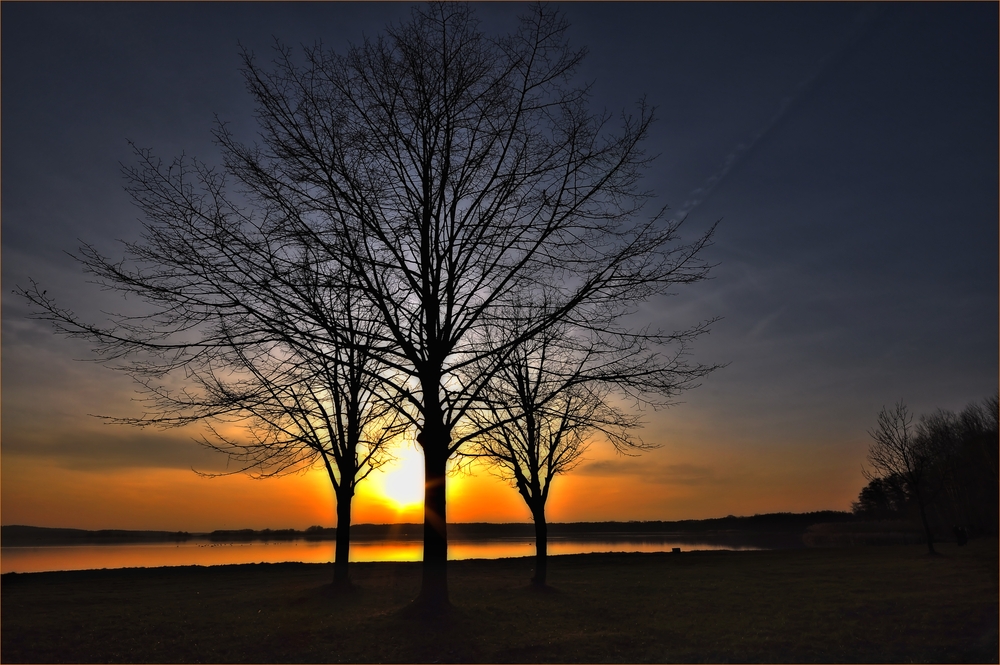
column 961, row 537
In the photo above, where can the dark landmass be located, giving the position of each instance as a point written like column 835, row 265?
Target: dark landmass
column 33, row 536
column 780, row 529
column 891, row 604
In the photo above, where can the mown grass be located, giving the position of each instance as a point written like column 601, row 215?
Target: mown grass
column 863, row 604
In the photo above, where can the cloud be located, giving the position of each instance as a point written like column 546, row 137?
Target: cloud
column 766, row 321
column 107, row 449
column 651, row 472
column 863, row 21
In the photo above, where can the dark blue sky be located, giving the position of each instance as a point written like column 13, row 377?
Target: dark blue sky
column 850, row 151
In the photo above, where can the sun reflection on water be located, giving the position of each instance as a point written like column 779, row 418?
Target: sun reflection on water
column 202, row 553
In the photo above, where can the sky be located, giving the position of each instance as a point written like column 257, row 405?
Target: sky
column 849, row 152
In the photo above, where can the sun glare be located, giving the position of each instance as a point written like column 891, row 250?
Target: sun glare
column 402, row 482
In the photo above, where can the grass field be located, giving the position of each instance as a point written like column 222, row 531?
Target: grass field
column 862, row 604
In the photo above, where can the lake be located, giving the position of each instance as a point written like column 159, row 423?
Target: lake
column 207, row 553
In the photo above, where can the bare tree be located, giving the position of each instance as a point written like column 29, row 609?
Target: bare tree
column 301, row 413
column 259, row 330
column 896, row 451
column 558, row 389
column 455, row 175
column 962, row 476
column 446, row 176
column 536, row 427
column 319, row 408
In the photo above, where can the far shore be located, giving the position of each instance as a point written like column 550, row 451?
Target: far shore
column 777, row 529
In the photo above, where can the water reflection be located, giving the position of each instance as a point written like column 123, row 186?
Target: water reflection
column 204, row 553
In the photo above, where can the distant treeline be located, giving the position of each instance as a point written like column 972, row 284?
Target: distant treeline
column 17, row 535
column 955, row 459
column 787, row 524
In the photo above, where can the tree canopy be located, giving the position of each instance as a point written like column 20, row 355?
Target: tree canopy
column 419, row 209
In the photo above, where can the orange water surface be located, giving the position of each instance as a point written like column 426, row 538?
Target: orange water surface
column 204, row 553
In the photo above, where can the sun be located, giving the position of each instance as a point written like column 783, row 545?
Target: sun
column 401, row 483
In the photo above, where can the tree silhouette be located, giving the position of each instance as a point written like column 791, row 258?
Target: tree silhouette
column 882, row 498
column 556, row 391
column 896, row 452
column 956, row 456
column 963, row 469
column 446, row 177
column 254, row 328
column 456, row 175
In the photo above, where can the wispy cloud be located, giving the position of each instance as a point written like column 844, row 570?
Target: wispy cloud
column 651, row 472
column 114, row 448
column 864, row 20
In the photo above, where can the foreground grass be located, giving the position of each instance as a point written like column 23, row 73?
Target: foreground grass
column 875, row 604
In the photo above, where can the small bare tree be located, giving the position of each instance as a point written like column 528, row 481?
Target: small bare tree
column 896, row 451
column 300, row 410
column 259, row 329
column 556, row 391
column 537, row 425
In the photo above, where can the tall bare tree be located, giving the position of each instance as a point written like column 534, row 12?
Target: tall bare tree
column 962, row 470
column 454, row 175
column 896, row 452
column 445, row 175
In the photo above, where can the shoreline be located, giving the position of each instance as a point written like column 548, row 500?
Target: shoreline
column 772, row 524
column 810, row 605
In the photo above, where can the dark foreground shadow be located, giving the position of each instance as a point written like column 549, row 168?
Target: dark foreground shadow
column 542, row 588
column 422, row 610
column 324, row 594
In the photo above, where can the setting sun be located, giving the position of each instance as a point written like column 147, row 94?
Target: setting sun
column 401, row 482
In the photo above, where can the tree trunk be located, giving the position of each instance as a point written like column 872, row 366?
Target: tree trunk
column 541, row 548
column 927, row 526
column 342, row 552
column 434, row 584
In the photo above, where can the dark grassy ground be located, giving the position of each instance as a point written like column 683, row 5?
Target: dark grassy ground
column 863, row 604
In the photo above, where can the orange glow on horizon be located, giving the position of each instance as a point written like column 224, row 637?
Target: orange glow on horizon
column 394, row 494
column 686, row 480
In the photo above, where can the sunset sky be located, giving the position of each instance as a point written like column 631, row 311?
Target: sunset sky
column 850, row 151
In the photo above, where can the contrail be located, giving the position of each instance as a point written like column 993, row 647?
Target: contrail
column 864, row 20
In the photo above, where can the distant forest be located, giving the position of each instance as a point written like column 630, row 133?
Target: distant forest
column 948, row 461
column 781, row 524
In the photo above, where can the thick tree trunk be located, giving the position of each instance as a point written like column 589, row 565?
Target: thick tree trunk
column 541, row 548
column 434, row 584
column 342, row 552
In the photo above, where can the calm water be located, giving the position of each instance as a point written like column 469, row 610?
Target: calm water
column 204, row 553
